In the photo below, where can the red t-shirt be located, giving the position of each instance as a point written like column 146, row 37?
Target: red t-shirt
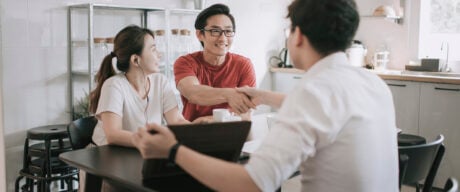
column 236, row 71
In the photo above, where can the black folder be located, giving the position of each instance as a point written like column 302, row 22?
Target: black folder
column 223, row 140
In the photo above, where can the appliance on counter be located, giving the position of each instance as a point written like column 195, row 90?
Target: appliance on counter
column 427, row 64
column 356, row 53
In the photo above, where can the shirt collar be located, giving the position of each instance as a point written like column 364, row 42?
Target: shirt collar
column 333, row 59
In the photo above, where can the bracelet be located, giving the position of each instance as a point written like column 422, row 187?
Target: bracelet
column 173, row 152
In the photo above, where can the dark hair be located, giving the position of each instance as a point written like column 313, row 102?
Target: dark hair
column 128, row 41
column 330, row 25
column 216, row 9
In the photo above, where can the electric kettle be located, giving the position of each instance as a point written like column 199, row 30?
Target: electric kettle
column 356, row 54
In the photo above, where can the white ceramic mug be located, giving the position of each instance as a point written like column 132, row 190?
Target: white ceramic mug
column 220, row 115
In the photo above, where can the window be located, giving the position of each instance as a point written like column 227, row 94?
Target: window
column 439, row 23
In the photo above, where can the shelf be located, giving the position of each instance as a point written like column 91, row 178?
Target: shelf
column 185, row 11
column 397, row 20
column 82, row 72
column 117, row 7
column 79, row 43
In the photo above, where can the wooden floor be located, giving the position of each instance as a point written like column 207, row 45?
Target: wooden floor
column 293, row 185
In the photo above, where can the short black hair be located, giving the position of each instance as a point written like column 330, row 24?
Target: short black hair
column 216, row 9
column 330, row 25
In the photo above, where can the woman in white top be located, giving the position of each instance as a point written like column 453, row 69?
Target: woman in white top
column 139, row 95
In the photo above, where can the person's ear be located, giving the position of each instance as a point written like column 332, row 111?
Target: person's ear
column 298, row 36
column 134, row 59
column 199, row 34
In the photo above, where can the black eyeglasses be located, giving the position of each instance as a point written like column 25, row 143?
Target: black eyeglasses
column 218, row 32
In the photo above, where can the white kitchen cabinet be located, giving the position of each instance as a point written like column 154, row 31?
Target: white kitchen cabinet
column 440, row 114
column 406, row 98
column 284, row 82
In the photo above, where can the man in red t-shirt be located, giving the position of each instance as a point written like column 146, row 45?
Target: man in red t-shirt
column 207, row 79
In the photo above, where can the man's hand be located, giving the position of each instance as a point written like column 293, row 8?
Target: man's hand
column 239, row 102
column 255, row 94
column 156, row 145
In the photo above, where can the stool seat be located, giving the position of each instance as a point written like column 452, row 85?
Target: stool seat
column 41, row 165
column 48, row 132
column 57, row 148
column 409, row 139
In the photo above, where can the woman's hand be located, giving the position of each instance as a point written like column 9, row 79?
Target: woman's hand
column 156, row 144
column 204, row 119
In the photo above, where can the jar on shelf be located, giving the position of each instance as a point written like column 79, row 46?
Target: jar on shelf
column 109, row 42
column 174, row 45
column 100, row 51
column 185, row 42
column 160, row 41
column 110, row 45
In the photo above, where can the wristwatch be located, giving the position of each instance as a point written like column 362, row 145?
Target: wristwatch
column 173, row 152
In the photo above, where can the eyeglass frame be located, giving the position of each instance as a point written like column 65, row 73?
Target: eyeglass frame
column 211, row 31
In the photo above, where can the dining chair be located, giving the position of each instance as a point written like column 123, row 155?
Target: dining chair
column 422, row 163
column 403, row 159
column 81, row 131
column 451, row 185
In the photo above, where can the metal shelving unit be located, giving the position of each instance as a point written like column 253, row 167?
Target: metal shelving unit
column 83, row 28
column 85, row 42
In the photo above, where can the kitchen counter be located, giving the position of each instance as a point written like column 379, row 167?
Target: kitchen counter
column 399, row 75
column 393, row 75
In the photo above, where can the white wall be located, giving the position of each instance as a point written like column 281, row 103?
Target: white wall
column 2, row 143
column 34, row 72
column 376, row 31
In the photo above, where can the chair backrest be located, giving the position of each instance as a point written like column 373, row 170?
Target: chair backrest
column 81, row 132
column 423, row 162
column 403, row 159
column 451, row 185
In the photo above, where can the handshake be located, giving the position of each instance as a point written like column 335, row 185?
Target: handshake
column 242, row 99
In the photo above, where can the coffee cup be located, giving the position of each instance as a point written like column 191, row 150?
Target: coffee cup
column 220, row 115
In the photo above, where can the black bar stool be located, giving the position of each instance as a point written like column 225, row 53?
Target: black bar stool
column 41, row 164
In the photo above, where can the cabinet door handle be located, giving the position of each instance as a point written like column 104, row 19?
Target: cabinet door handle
column 397, row 85
column 297, row 77
column 446, row 89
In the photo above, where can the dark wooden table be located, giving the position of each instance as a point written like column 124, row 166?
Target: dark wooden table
column 122, row 168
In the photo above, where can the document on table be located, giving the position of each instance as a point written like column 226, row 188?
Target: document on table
column 251, row 146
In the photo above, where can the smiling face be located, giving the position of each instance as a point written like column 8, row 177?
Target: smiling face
column 149, row 58
column 220, row 45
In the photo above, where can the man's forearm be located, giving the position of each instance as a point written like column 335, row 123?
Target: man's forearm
column 205, row 95
column 273, row 99
column 215, row 173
